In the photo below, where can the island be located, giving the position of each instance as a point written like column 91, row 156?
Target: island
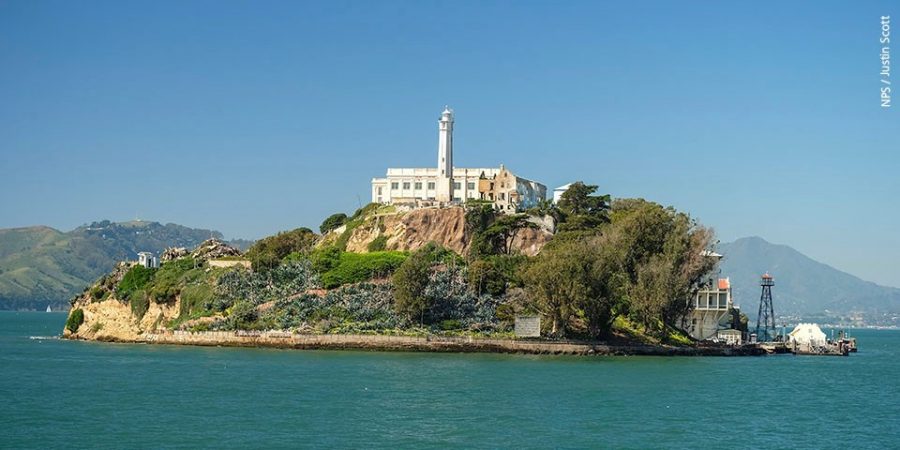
column 601, row 277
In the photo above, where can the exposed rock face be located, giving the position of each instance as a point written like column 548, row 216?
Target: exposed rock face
column 445, row 226
column 173, row 253
column 214, row 248
column 111, row 319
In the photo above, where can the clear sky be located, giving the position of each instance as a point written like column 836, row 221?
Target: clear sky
column 758, row 118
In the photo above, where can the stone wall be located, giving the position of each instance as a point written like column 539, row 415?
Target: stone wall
column 284, row 339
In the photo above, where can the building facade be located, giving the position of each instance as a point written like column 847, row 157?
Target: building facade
column 711, row 305
column 446, row 184
column 148, row 260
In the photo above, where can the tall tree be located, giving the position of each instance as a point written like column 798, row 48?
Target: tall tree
column 581, row 209
column 409, row 283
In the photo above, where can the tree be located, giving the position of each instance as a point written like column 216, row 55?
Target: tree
column 579, row 200
column 333, row 221
column 581, row 210
column 497, row 239
column 409, row 284
column 559, row 282
column 660, row 254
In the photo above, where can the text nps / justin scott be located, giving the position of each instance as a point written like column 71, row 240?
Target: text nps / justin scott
column 885, row 73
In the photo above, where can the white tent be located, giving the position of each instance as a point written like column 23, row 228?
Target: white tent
column 808, row 334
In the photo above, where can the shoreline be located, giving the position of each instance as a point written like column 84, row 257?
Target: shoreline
column 436, row 344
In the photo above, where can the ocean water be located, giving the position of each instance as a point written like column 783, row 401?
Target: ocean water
column 60, row 394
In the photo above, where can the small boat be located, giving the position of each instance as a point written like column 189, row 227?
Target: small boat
column 48, row 309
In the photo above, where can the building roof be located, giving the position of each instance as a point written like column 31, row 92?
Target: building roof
column 724, row 283
column 563, row 187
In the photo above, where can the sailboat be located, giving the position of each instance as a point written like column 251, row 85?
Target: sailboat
column 48, row 309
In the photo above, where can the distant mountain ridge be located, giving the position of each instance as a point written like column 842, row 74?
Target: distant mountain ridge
column 40, row 265
column 802, row 285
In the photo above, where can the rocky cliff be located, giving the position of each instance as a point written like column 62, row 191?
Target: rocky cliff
column 109, row 318
column 411, row 230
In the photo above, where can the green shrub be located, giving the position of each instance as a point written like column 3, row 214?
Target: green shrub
column 140, row 303
column 242, row 316
column 333, row 221
column 325, row 259
column 97, row 293
column 193, row 299
column 268, row 252
column 366, row 211
column 356, row 267
column 137, row 278
column 451, row 325
column 96, row 327
column 378, row 244
column 76, row 318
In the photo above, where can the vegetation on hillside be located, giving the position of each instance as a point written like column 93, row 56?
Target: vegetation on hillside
column 76, row 318
column 622, row 267
column 41, row 266
column 267, row 253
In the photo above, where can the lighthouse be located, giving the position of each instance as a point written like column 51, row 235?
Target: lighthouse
column 444, row 191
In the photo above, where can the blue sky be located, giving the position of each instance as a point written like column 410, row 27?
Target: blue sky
column 758, row 118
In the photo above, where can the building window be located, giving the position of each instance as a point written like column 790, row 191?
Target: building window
column 431, row 185
column 418, row 185
column 456, row 185
column 379, row 190
column 395, row 185
column 455, row 199
column 471, row 185
column 406, row 185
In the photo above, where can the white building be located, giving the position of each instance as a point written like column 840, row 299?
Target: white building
column 711, row 304
column 446, row 184
column 558, row 192
column 147, row 260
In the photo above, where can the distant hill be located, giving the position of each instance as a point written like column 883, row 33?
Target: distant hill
column 802, row 285
column 40, row 265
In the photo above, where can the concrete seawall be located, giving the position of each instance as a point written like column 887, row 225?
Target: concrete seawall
column 281, row 339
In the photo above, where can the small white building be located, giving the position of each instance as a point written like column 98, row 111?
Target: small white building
column 148, row 260
column 446, row 184
column 558, row 192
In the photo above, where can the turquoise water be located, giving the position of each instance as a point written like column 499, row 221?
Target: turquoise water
column 56, row 393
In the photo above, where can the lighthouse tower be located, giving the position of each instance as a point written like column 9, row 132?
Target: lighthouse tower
column 445, row 157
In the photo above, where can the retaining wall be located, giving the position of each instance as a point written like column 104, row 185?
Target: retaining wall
column 283, row 339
